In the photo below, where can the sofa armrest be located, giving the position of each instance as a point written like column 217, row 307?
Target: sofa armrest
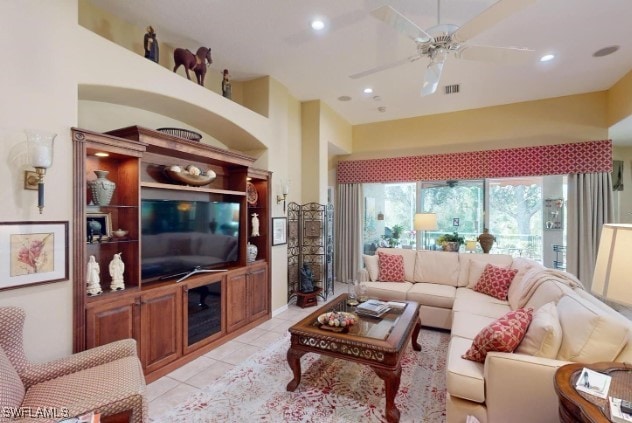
column 520, row 388
column 362, row 275
column 40, row 372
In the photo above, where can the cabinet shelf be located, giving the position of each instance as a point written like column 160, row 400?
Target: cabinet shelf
column 159, row 185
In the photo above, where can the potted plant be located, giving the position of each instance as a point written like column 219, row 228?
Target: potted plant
column 450, row 242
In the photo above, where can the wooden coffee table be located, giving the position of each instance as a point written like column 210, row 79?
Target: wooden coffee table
column 378, row 343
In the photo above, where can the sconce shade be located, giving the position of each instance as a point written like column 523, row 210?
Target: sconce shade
column 40, row 148
column 425, row 222
column 611, row 278
column 470, row 245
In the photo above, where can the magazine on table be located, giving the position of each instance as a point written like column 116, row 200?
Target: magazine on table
column 374, row 308
column 616, row 414
column 593, row 383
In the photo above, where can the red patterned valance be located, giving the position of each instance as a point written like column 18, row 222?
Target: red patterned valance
column 561, row 159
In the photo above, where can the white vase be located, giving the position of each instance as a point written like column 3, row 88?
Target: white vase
column 102, row 188
column 252, row 252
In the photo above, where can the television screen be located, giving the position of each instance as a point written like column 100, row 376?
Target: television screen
column 178, row 236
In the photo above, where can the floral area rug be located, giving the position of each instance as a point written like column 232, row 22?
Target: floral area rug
column 331, row 390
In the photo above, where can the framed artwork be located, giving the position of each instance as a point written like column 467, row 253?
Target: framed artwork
column 98, row 226
column 33, row 253
column 279, row 230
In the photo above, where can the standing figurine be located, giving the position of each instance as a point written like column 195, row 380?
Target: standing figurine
column 117, row 267
column 255, row 225
column 151, row 44
column 307, row 279
column 92, row 277
column 227, row 90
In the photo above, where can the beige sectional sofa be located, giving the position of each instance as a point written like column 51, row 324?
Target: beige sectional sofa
column 507, row 387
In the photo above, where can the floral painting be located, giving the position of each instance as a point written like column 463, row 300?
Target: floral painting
column 33, row 253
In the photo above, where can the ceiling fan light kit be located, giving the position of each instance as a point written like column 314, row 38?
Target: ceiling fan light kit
column 437, row 42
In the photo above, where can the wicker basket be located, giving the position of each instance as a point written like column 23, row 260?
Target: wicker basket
column 182, row 133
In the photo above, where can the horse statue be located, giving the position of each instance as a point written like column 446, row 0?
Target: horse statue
column 197, row 62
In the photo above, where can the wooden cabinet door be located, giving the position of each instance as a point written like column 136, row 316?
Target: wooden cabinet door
column 237, row 295
column 112, row 321
column 258, row 291
column 161, row 325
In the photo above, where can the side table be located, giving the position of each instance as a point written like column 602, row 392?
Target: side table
column 576, row 406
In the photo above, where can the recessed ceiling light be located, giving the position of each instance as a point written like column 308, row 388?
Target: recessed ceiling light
column 605, row 51
column 368, row 90
column 547, row 57
column 344, row 98
column 318, row 24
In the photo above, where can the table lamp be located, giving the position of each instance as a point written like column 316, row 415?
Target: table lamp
column 611, row 278
column 470, row 245
column 425, row 222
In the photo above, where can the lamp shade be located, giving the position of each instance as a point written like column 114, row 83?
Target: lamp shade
column 611, row 278
column 470, row 245
column 425, row 222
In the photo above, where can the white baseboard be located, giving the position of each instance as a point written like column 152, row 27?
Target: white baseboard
column 279, row 310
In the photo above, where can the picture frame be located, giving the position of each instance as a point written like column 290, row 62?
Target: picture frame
column 33, row 253
column 98, row 226
column 279, row 230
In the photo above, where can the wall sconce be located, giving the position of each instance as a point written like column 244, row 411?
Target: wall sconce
column 40, row 156
column 286, row 191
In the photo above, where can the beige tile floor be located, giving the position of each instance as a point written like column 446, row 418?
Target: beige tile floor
column 187, row 380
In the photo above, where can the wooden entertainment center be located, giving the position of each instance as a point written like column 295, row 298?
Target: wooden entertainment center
column 173, row 322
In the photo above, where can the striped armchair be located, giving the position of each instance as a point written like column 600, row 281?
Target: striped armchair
column 107, row 379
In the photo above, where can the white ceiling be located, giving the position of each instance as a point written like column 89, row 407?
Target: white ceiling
column 255, row 38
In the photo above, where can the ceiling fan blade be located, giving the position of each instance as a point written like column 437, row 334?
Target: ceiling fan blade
column 432, row 77
column 502, row 55
column 490, row 16
column 384, row 67
column 401, row 24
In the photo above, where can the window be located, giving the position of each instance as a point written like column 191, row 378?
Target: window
column 511, row 208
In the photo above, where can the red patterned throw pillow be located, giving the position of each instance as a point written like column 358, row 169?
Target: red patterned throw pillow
column 495, row 281
column 391, row 267
column 503, row 335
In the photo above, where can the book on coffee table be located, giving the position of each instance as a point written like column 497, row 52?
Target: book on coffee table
column 374, row 308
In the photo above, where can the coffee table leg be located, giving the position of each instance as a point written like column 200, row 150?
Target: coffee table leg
column 294, row 360
column 391, row 380
column 414, row 341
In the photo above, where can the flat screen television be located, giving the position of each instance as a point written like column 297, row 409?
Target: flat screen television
column 179, row 236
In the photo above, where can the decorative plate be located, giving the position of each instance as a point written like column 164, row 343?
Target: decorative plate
column 251, row 194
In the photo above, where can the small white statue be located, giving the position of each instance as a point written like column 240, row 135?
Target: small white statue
column 92, row 277
column 255, row 225
column 117, row 267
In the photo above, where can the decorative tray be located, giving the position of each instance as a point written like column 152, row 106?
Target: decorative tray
column 337, row 321
column 189, row 179
column 251, row 194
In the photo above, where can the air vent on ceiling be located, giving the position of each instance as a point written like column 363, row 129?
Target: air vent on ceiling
column 452, row 89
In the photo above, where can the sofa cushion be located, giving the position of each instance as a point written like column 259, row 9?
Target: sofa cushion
column 544, row 336
column 502, row 335
column 465, row 260
column 388, row 290
column 464, row 378
column 437, row 267
column 469, row 295
column 391, row 267
column 588, row 334
column 476, row 269
column 372, row 267
column 468, row 325
column 495, row 281
column 409, row 256
column 522, row 265
column 432, row 294
column 11, row 386
column 482, row 306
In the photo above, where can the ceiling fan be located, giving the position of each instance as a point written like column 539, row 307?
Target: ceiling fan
column 439, row 41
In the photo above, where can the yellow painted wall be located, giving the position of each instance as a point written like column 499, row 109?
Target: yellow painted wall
column 550, row 121
column 310, row 154
column 620, row 100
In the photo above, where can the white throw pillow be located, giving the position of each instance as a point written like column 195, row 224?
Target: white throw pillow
column 589, row 335
column 544, row 336
column 371, row 265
